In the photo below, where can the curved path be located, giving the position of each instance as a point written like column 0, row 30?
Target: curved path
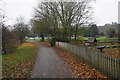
column 49, row 65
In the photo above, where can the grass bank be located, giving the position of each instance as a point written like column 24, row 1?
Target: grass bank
column 19, row 63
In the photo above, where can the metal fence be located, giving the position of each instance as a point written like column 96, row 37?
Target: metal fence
column 106, row 64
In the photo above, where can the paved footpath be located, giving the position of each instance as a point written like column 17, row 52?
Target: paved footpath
column 49, row 65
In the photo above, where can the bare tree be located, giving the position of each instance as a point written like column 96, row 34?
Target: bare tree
column 2, row 11
column 82, row 16
column 63, row 16
column 21, row 29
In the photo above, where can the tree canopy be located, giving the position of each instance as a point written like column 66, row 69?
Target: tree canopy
column 21, row 29
column 61, row 18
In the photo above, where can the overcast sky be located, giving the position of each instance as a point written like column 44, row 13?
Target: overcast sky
column 105, row 11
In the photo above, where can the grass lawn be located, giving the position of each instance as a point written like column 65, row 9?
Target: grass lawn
column 106, row 39
column 100, row 39
column 108, row 44
column 36, row 39
column 83, row 38
column 19, row 63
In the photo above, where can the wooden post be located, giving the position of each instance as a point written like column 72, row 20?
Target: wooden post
column 108, row 64
column 119, row 68
column 98, row 61
column 115, row 67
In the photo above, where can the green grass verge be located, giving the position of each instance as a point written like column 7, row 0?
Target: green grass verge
column 19, row 64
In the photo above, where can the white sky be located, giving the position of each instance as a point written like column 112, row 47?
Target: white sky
column 17, row 8
column 105, row 11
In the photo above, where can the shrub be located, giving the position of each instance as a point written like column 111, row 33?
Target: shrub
column 52, row 42
column 9, row 40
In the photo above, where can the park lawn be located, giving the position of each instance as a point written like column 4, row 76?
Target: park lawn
column 19, row 63
column 106, row 39
column 108, row 44
column 36, row 39
column 101, row 38
column 84, row 39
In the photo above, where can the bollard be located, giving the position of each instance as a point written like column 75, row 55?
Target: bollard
column 58, row 44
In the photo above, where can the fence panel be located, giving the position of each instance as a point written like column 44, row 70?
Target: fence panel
column 106, row 64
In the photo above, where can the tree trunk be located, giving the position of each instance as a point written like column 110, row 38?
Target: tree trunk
column 75, row 36
column 42, row 38
column 70, row 37
column 76, row 33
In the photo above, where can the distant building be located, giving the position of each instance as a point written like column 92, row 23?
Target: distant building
column 103, row 29
column 119, row 12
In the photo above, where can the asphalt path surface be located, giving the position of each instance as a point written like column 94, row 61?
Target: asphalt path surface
column 48, row 64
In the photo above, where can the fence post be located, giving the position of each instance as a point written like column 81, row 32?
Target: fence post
column 78, row 51
column 117, row 72
column 97, row 60
column 105, row 63
column 108, row 64
column 119, row 68
column 102, row 62
column 115, row 69
column 113, row 66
